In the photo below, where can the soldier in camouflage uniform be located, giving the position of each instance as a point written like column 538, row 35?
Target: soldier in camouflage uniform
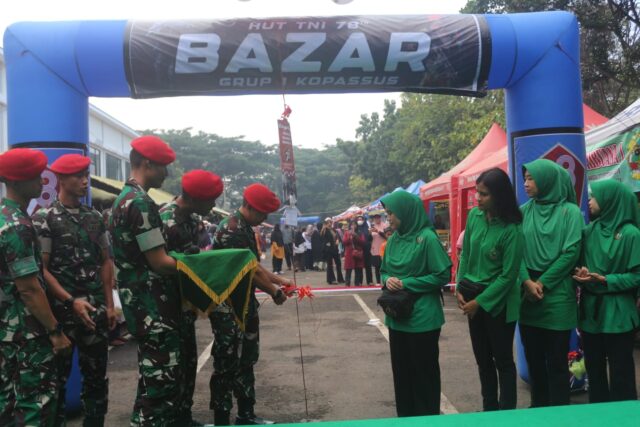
column 235, row 352
column 78, row 272
column 180, row 220
column 30, row 336
column 150, row 304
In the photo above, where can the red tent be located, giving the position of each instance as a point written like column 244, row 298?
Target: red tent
column 592, row 118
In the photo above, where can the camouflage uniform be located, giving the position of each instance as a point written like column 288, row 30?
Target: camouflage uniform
column 234, row 352
column 28, row 386
column 181, row 235
column 150, row 304
column 75, row 238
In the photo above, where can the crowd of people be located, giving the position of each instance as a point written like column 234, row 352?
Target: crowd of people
column 355, row 246
column 59, row 267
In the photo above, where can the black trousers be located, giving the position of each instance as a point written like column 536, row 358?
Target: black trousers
column 358, row 276
column 617, row 349
column 367, row 265
column 546, row 353
column 331, row 276
column 492, row 342
column 376, row 262
column 276, row 263
column 416, row 372
column 288, row 254
column 308, row 259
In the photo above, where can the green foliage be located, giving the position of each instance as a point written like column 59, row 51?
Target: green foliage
column 237, row 161
column 610, row 40
column 322, row 178
column 423, row 138
column 322, row 175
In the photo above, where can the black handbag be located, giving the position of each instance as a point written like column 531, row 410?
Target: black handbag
column 398, row 304
column 469, row 290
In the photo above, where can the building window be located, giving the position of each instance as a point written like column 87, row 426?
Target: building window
column 95, row 155
column 114, row 167
column 127, row 169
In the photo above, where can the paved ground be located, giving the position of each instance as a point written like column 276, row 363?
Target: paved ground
column 347, row 370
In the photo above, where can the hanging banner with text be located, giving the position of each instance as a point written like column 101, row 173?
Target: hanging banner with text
column 421, row 53
column 287, row 165
column 616, row 157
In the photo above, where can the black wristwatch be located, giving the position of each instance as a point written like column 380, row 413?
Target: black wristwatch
column 57, row 331
column 68, row 303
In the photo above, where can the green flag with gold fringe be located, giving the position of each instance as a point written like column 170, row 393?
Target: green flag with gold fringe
column 209, row 278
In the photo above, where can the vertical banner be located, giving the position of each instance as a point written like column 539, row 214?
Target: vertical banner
column 566, row 149
column 287, row 165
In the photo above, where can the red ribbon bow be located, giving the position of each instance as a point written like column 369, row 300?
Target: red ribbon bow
column 302, row 291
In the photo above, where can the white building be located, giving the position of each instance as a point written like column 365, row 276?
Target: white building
column 108, row 138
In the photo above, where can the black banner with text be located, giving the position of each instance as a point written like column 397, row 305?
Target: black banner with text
column 430, row 53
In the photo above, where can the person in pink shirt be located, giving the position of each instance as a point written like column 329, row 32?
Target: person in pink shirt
column 377, row 236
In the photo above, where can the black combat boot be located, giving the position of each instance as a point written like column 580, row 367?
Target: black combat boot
column 221, row 418
column 250, row 419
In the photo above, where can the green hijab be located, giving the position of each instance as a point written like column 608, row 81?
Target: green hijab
column 618, row 206
column 404, row 255
column 544, row 224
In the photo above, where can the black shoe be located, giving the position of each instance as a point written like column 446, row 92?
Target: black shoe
column 221, row 418
column 252, row 420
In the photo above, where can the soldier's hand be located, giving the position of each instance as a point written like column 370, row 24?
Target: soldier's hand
column 284, row 281
column 279, row 297
column 82, row 308
column 60, row 343
column 112, row 318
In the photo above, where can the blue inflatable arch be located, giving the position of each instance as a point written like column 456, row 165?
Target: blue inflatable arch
column 52, row 69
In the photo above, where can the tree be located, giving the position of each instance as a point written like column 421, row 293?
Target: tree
column 423, row 138
column 610, row 52
column 322, row 175
column 237, row 161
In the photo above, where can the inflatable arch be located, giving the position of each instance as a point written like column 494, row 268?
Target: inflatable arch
column 52, row 69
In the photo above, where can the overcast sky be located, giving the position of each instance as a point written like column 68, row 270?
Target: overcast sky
column 317, row 120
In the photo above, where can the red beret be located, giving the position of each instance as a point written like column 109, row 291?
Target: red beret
column 70, row 164
column 153, row 148
column 22, row 164
column 202, row 185
column 261, row 198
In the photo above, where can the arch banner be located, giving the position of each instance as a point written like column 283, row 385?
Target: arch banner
column 448, row 54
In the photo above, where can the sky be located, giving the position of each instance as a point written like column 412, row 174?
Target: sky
column 316, row 121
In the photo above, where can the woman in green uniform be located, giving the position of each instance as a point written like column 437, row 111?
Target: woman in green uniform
column 415, row 261
column 610, row 278
column 552, row 228
column 487, row 289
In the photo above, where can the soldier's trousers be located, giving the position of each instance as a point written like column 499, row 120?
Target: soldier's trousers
column 234, row 355
column 189, row 364
column 93, row 355
column 28, row 383
column 159, row 380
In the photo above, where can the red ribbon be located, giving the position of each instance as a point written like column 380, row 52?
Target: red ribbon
column 302, row 291
column 305, row 291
